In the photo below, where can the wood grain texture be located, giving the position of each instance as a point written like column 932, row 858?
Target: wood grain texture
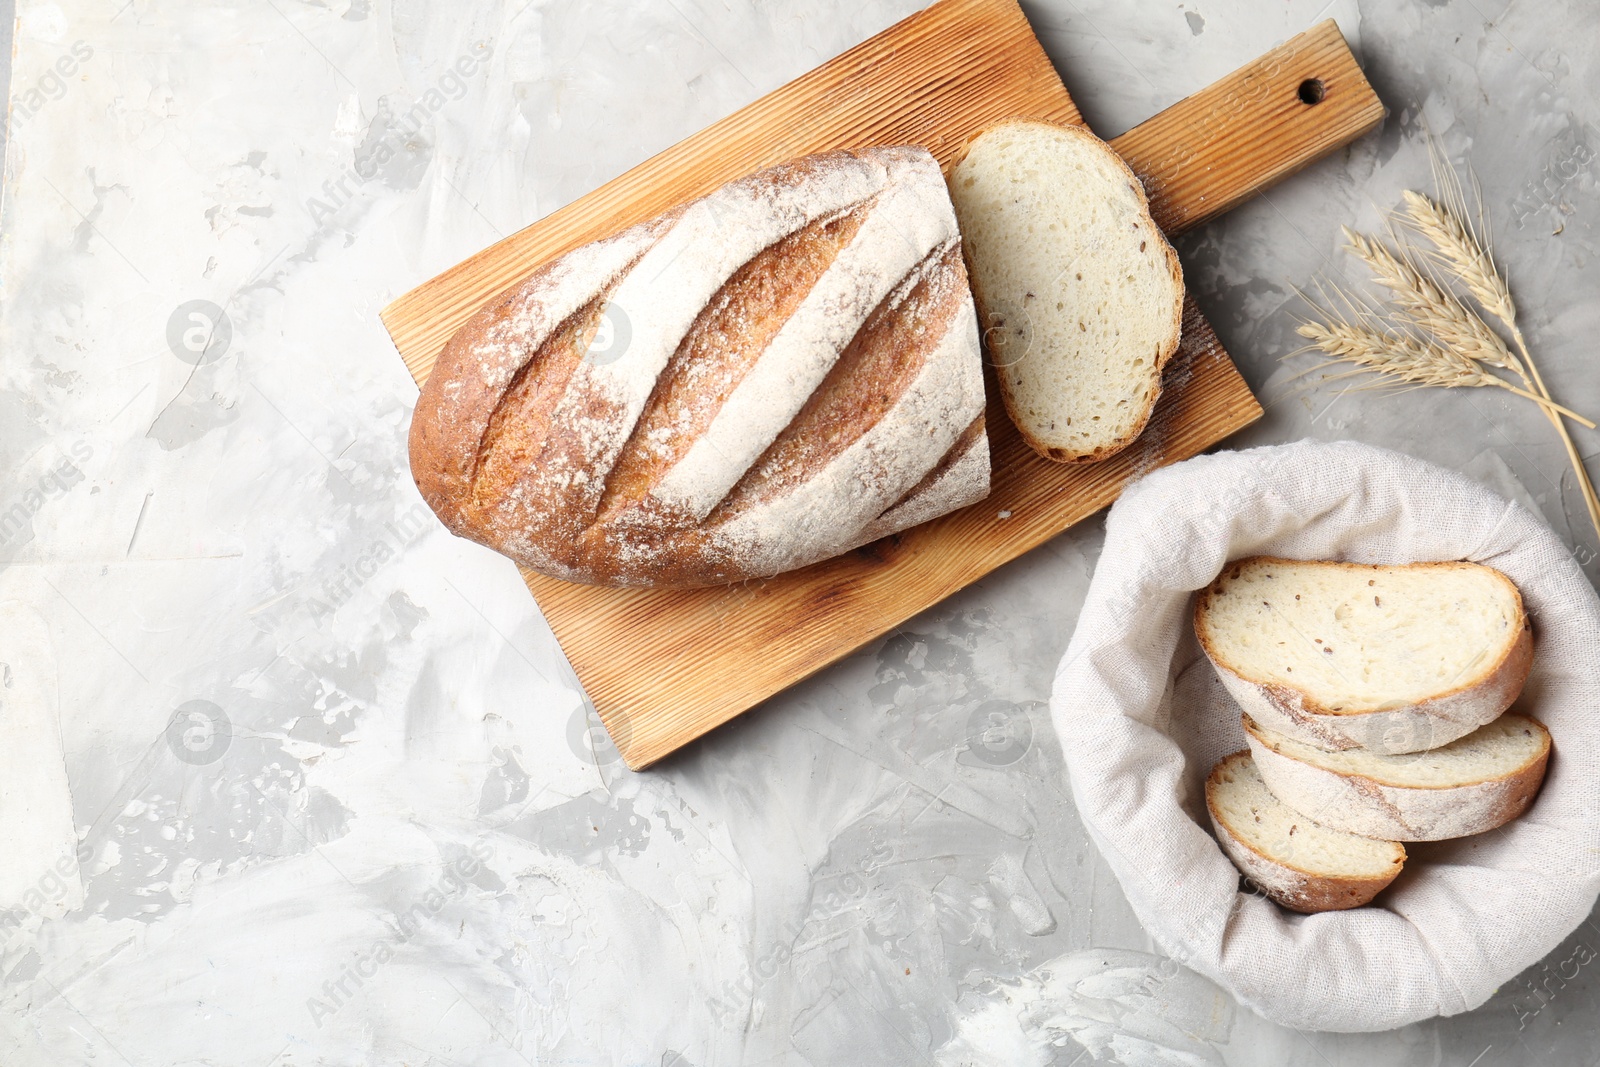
column 664, row 666
column 1210, row 152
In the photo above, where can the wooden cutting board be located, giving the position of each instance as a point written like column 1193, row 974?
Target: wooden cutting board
column 664, row 666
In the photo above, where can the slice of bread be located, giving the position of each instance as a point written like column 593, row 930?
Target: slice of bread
column 1079, row 295
column 1299, row 863
column 1345, row 656
column 1471, row 785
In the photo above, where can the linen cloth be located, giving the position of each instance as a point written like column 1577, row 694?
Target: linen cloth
column 1142, row 718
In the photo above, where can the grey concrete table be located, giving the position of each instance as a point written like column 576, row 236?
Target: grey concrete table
column 292, row 777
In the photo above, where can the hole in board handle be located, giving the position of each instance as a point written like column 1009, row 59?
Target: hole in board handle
column 1312, row 91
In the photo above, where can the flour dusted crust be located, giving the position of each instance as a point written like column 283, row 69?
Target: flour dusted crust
column 776, row 373
column 1455, row 710
column 1370, row 803
column 1274, row 867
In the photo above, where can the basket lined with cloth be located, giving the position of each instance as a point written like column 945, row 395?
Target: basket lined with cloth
column 1142, row 719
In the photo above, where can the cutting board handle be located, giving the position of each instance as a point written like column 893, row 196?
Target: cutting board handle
column 1208, row 153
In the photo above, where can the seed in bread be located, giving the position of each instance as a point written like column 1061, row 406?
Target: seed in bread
column 1296, row 861
column 1472, row 785
column 1079, row 294
column 1345, row 655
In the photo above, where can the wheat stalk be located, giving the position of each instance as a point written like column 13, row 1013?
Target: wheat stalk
column 1406, row 358
column 1441, row 340
column 1464, row 250
column 1436, row 311
column 1458, row 251
column 1463, row 246
column 1430, row 306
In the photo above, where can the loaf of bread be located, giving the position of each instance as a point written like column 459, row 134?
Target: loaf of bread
column 1345, row 656
column 1296, row 861
column 1472, row 785
column 775, row 373
column 1080, row 295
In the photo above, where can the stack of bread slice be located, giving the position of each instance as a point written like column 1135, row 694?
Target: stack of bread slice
column 1374, row 702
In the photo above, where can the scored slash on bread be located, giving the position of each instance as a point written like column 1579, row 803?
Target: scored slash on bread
column 1079, row 294
column 765, row 377
column 1472, row 785
column 1387, row 658
column 1296, row 861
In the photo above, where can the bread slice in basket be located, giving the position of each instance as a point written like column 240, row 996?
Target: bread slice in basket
column 1473, row 784
column 1345, row 655
column 1079, row 294
column 1296, row 861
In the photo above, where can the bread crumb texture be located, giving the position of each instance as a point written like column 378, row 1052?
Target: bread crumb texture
column 1080, row 296
column 1357, row 638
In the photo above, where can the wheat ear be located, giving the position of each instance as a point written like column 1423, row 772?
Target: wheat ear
column 1436, row 310
column 1358, row 335
column 1404, row 357
column 1428, row 305
column 1469, row 259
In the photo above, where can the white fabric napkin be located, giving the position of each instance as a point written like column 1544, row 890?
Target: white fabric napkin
column 1142, row 719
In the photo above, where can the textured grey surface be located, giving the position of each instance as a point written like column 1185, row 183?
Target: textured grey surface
column 8, row 14
column 307, row 781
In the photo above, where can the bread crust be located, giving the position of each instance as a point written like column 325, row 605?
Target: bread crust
column 1359, row 804
column 803, row 355
column 1425, row 724
column 1163, row 355
column 1294, row 888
